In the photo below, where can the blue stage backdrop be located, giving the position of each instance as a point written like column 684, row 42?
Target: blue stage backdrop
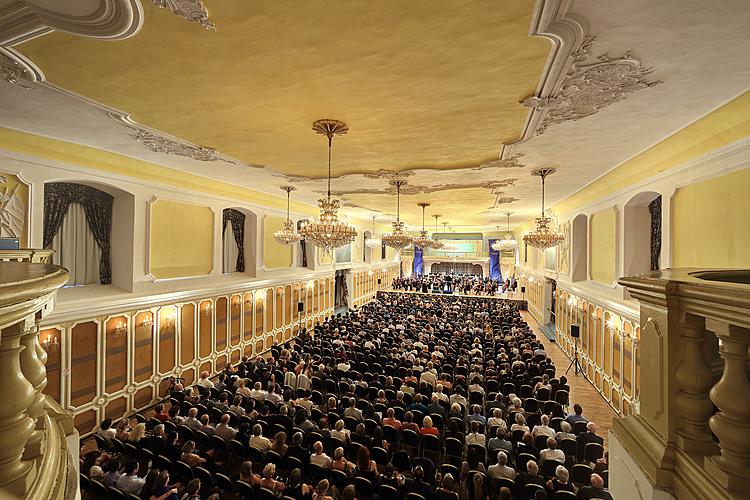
column 418, row 264
column 495, row 273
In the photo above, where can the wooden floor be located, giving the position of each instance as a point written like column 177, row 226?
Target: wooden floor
column 595, row 408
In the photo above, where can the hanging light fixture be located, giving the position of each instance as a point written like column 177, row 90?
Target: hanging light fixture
column 507, row 243
column 398, row 239
column 328, row 232
column 437, row 243
column 423, row 241
column 372, row 241
column 543, row 236
column 288, row 235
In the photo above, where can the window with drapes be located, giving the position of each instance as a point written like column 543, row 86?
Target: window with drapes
column 78, row 226
column 233, row 239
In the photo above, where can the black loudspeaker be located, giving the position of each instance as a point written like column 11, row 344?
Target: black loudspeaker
column 300, row 306
column 523, row 289
column 575, row 331
column 378, row 281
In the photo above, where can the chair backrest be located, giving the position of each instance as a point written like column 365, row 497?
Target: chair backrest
column 246, row 492
column 579, row 427
column 593, row 452
column 530, row 489
column 379, row 455
column 522, row 460
column 581, row 474
column 364, row 486
column 387, row 492
column 98, row 490
column 430, row 442
column 207, row 480
column 266, row 494
column 568, row 446
column 339, row 479
column 183, row 471
column 564, row 495
column 414, row 496
column 540, row 442
column 115, row 494
column 223, row 483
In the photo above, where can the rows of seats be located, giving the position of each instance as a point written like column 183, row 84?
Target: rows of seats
column 409, row 395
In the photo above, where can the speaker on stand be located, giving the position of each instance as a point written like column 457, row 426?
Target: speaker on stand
column 575, row 333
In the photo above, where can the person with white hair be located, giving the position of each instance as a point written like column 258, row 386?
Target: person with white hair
column 543, row 429
column 531, row 476
column 501, row 470
column 496, row 420
column 204, row 382
column 595, row 490
column 319, row 458
column 551, row 452
column 440, row 394
column 564, row 433
column 520, row 424
column 561, row 481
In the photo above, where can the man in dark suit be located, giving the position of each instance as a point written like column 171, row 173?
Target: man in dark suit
column 595, row 490
column 434, row 407
column 587, row 437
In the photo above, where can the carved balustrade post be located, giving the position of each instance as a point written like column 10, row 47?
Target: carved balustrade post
column 15, row 424
column 35, row 372
column 731, row 423
column 694, row 380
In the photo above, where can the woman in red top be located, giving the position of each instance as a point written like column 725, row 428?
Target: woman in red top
column 427, row 428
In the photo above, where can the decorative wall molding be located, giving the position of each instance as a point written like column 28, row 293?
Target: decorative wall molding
column 109, row 19
column 16, row 71
column 192, row 10
column 590, row 86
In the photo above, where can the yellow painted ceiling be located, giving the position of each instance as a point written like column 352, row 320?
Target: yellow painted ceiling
column 420, row 83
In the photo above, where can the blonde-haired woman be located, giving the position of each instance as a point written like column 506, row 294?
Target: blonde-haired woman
column 268, row 481
column 321, row 491
column 427, row 428
column 138, row 433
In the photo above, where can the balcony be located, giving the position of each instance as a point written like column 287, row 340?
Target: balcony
column 43, row 256
column 692, row 436
column 35, row 458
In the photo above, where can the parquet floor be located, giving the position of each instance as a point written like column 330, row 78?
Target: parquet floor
column 595, row 408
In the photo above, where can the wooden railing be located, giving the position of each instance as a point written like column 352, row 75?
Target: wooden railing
column 35, row 459
column 692, row 436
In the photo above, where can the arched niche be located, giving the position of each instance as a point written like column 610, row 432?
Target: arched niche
column 121, row 233
column 579, row 248
column 638, row 243
column 249, row 236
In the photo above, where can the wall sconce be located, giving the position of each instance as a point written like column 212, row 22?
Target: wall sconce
column 168, row 321
column 147, row 323
column 370, row 273
column 120, row 330
column 51, row 344
column 209, row 309
column 611, row 325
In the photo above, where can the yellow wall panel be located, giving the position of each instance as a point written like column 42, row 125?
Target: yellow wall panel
column 603, row 246
column 180, row 239
column 275, row 255
column 711, row 226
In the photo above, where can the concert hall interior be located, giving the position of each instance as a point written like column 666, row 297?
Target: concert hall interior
column 374, row 250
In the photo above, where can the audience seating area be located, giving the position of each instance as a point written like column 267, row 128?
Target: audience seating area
column 408, row 397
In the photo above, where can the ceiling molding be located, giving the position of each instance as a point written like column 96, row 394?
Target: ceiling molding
column 590, row 86
column 109, row 19
column 551, row 20
column 161, row 143
column 571, row 86
column 192, row 10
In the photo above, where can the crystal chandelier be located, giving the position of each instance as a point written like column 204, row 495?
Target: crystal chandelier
column 372, row 241
column 436, row 242
column 423, row 241
column 543, row 237
column 398, row 239
column 288, row 235
column 328, row 232
column 507, row 243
